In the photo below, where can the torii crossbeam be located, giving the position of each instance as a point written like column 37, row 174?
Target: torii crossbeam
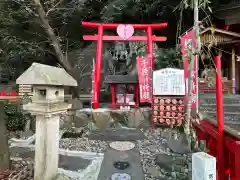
column 100, row 38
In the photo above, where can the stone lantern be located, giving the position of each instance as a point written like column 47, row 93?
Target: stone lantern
column 47, row 105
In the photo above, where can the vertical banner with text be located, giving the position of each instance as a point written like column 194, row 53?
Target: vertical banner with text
column 94, row 93
column 144, row 66
column 188, row 42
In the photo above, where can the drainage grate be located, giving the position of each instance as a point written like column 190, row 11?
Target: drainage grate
column 122, row 146
column 120, row 176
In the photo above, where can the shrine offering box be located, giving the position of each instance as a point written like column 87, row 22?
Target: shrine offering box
column 168, row 110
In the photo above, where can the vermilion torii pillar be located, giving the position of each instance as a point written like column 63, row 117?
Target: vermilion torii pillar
column 100, row 38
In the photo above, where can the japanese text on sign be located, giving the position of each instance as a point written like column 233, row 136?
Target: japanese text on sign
column 187, row 43
column 168, row 81
column 145, row 78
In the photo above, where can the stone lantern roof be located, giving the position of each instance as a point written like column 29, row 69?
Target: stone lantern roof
column 41, row 74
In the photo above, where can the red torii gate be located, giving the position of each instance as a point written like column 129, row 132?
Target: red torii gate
column 100, row 38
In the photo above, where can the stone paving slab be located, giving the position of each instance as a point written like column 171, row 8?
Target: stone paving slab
column 131, row 156
column 117, row 134
column 71, row 163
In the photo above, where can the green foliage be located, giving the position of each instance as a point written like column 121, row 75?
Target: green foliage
column 23, row 39
column 168, row 58
column 15, row 119
column 15, row 116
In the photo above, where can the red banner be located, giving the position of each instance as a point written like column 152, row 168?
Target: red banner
column 144, row 66
column 94, row 90
column 188, row 41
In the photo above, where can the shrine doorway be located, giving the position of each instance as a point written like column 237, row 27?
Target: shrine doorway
column 125, row 33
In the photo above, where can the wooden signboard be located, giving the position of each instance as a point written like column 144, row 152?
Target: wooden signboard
column 168, row 81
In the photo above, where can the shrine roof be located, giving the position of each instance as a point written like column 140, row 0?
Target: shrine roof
column 220, row 31
column 121, row 79
column 41, row 74
column 218, row 36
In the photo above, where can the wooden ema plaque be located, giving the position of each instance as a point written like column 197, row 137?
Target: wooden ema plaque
column 168, row 110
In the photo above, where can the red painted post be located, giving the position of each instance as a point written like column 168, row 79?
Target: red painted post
column 113, row 86
column 220, row 121
column 98, row 67
column 237, row 161
column 137, row 94
column 150, row 44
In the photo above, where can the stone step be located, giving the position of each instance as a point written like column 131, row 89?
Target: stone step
column 225, row 101
column 117, row 134
column 229, row 117
column 227, row 107
column 211, row 99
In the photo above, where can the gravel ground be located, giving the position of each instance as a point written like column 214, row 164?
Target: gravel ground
column 148, row 148
column 153, row 144
column 83, row 144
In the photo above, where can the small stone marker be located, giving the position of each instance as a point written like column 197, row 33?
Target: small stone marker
column 203, row 166
column 47, row 105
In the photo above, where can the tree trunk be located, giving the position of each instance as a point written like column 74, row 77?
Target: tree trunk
column 56, row 45
column 4, row 149
column 51, row 35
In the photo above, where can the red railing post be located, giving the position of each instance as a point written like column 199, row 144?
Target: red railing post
column 237, row 162
column 220, row 121
column 98, row 67
column 113, row 88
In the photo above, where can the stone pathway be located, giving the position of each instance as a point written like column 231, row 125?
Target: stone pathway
column 156, row 155
column 112, row 156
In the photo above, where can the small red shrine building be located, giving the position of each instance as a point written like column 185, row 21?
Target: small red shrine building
column 129, row 90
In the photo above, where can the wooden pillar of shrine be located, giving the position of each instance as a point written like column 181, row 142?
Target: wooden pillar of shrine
column 233, row 70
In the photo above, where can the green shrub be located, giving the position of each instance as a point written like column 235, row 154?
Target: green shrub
column 15, row 117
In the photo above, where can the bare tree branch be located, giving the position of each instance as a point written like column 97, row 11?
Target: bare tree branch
column 50, row 32
column 50, row 10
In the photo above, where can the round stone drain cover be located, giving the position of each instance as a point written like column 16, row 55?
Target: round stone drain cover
column 122, row 145
column 120, row 176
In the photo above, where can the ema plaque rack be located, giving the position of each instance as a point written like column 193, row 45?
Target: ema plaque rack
column 168, row 110
column 168, row 97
